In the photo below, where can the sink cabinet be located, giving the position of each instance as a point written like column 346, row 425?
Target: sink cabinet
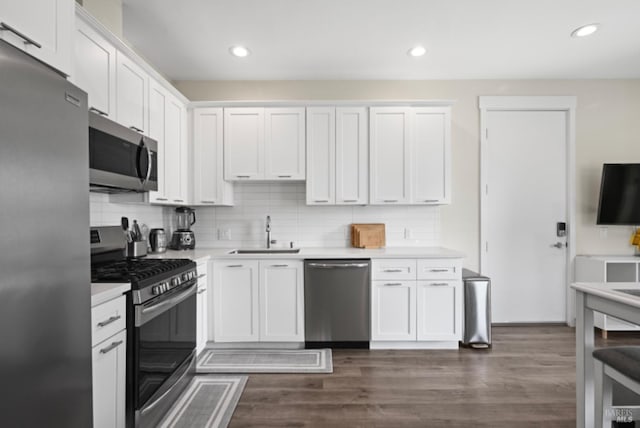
column 258, row 301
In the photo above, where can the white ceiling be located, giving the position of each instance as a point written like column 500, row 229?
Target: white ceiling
column 369, row 39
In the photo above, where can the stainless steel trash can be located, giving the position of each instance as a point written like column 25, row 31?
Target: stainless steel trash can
column 477, row 310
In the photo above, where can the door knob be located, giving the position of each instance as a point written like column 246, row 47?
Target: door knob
column 558, row 245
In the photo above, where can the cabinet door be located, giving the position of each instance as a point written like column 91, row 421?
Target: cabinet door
column 47, row 23
column 321, row 145
column 393, row 312
column 175, row 158
column 132, row 86
column 431, row 153
column 439, row 310
column 284, row 143
column 236, row 301
column 209, row 185
column 390, row 156
column 109, row 379
column 95, row 69
column 202, row 318
column 243, row 143
column 157, row 111
column 281, row 301
column 352, row 156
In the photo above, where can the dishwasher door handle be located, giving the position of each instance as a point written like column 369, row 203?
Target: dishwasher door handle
column 337, row 265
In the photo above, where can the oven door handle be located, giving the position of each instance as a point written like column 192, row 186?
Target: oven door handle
column 164, row 394
column 144, row 314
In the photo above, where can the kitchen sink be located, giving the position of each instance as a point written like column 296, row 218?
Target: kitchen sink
column 266, row 251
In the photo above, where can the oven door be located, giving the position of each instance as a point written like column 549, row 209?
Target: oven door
column 164, row 343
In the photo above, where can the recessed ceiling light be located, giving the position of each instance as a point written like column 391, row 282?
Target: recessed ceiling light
column 417, row 51
column 585, row 30
column 239, row 51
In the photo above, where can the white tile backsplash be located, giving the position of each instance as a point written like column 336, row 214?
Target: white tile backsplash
column 291, row 219
column 307, row 226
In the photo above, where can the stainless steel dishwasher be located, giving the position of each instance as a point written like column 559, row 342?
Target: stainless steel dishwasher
column 337, row 303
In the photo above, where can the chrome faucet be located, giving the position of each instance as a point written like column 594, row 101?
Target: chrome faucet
column 268, row 231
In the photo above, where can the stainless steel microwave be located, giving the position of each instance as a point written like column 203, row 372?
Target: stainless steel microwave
column 120, row 159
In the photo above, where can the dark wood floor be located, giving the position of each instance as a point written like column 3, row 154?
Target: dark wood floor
column 526, row 380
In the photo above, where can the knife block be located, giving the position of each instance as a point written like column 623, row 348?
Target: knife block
column 135, row 249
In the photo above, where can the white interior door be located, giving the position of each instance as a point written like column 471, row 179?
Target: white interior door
column 524, row 175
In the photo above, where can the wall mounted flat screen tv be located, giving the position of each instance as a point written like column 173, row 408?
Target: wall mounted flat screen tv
column 619, row 194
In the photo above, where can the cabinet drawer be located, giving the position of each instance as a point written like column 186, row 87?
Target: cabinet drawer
column 107, row 319
column 393, row 269
column 439, row 269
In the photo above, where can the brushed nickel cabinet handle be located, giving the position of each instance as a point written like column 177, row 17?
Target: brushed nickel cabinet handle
column 392, row 284
column 162, row 199
column 430, row 200
column 284, row 176
column 390, row 200
column 243, row 176
column 279, row 266
column 208, row 202
column 27, row 40
column 392, row 270
column 202, row 275
column 234, row 266
column 111, row 347
column 109, row 321
column 321, row 200
column 438, row 270
column 202, row 291
column 178, row 200
column 439, row 284
column 100, row 112
column 350, row 200
column 136, row 129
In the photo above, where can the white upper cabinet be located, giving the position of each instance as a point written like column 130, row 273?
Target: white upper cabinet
column 243, row 143
column 284, row 143
column 431, row 174
column 264, row 143
column 42, row 28
column 95, row 69
column 410, row 155
column 337, row 155
column 176, row 152
column 167, row 125
column 321, row 152
column 132, row 94
column 390, row 157
column 352, row 156
column 209, row 185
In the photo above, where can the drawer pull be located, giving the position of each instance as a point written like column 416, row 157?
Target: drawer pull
column 27, row 40
column 243, row 176
column 280, row 266
column 202, row 275
column 321, row 200
column 178, row 200
column 111, row 347
column 439, row 284
column 392, row 284
column 438, row 270
column 136, row 129
column 162, row 199
column 208, row 202
column 284, row 176
column 202, row 291
column 350, row 200
column 390, row 200
column 393, row 270
column 430, row 200
column 100, row 112
column 109, row 321
column 234, row 266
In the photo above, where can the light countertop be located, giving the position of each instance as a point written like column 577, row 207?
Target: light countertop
column 201, row 254
column 609, row 290
column 103, row 292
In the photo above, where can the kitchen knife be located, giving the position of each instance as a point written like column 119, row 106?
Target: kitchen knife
column 137, row 235
column 124, row 221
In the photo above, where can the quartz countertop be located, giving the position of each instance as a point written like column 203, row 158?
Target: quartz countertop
column 610, row 291
column 103, row 292
column 201, row 254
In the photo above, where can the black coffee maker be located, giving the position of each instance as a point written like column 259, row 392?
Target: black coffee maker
column 184, row 238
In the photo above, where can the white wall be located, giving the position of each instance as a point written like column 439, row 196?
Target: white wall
column 307, row 226
column 607, row 130
column 105, row 213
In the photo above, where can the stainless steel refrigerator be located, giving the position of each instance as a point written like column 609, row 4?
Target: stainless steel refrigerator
column 45, row 297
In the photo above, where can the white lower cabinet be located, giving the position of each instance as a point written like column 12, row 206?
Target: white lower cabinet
column 416, row 303
column 258, row 301
column 393, row 315
column 202, row 304
column 109, row 363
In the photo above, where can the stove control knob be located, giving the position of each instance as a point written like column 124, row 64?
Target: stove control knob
column 175, row 282
column 155, row 290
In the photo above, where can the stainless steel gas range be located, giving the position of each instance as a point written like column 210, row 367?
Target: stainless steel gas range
column 161, row 323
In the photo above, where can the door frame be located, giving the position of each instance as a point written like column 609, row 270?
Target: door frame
column 565, row 104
